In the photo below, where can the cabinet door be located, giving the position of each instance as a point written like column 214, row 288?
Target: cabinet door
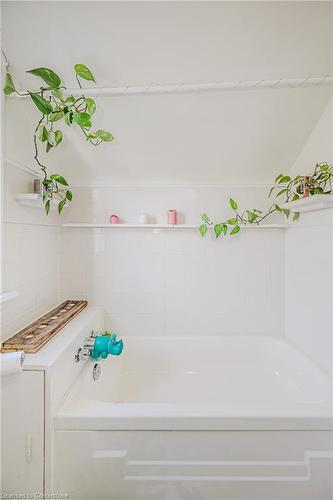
column 22, row 432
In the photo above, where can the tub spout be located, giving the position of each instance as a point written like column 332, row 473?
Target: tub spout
column 99, row 346
column 106, row 344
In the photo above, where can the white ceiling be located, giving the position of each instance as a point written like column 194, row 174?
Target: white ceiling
column 219, row 137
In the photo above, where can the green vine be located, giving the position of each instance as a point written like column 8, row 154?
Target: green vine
column 54, row 107
column 319, row 182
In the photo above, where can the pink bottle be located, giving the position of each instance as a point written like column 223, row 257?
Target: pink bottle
column 114, row 219
column 172, row 216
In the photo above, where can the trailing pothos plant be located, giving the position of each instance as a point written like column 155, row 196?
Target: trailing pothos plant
column 55, row 107
column 291, row 189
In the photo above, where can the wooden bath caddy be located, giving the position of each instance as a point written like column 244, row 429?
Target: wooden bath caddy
column 33, row 337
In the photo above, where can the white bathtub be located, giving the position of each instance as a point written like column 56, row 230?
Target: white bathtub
column 202, row 382
column 252, row 416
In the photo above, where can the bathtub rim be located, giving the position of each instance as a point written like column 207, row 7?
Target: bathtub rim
column 170, row 416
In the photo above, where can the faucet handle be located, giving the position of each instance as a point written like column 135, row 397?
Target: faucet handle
column 81, row 353
column 89, row 343
column 93, row 334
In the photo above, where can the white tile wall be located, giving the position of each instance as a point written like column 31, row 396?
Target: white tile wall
column 309, row 286
column 96, row 204
column 30, row 256
column 172, row 282
column 31, row 269
column 175, row 282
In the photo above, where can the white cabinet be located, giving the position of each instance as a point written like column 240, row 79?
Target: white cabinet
column 22, row 433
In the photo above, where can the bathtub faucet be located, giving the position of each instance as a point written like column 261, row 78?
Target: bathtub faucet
column 106, row 344
column 99, row 345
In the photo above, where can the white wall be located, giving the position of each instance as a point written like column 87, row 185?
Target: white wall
column 236, row 137
column 309, row 286
column 309, row 260
column 30, row 240
column 31, row 257
column 184, row 144
column 319, row 146
column 174, row 282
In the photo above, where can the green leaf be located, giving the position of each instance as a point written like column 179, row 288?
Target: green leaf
column 56, row 115
column 284, row 178
column 281, row 192
column 48, row 146
column 104, row 135
column 233, row 204
column 277, row 208
column 205, row 218
column 9, row 87
column 324, row 167
column 59, row 178
column 91, row 135
column 42, row 133
column 278, row 178
column 232, row 221
column 51, row 137
column 91, row 105
column 218, row 230
column 42, row 104
column 296, row 216
column 82, row 119
column 58, row 137
column 84, row 72
column 47, row 207
column 224, row 229
column 68, row 118
column 271, row 191
column 286, row 212
column 46, row 74
column 70, row 99
column 69, row 195
column 251, row 216
column 203, row 229
column 295, row 197
column 235, row 230
column 57, row 93
column 61, row 205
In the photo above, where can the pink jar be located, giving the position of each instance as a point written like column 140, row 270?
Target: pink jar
column 114, row 219
column 172, row 216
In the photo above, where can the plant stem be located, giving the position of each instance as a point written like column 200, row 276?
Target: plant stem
column 43, row 167
column 78, row 81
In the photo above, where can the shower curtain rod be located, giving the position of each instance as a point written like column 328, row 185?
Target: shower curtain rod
column 210, row 87
column 205, row 87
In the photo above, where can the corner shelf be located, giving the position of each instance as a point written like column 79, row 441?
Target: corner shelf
column 310, row 203
column 29, row 199
column 33, row 200
column 158, row 226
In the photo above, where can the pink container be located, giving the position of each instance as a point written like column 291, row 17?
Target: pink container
column 114, row 219
column 172, row 216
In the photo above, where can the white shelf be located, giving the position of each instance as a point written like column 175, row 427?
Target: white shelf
column 159, row 226
column 310, row 203
column 33, row 200
column 29, row 199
